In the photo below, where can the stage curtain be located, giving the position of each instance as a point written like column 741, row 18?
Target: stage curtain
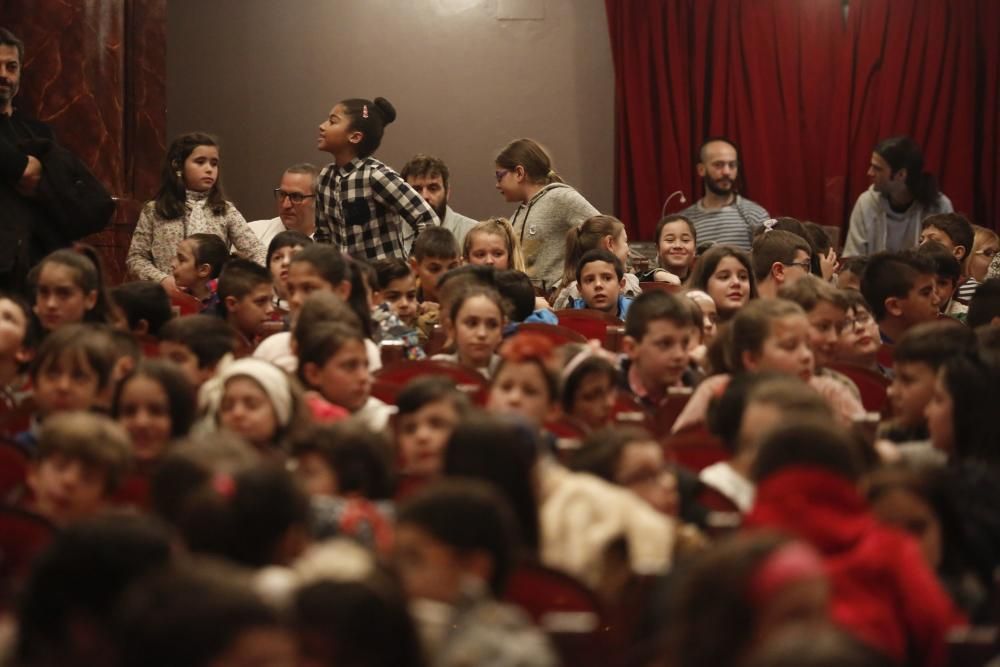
column 805, row 94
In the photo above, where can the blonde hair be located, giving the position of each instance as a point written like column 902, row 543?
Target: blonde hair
column 981, row 237
column 588, row 236
column 497, row 227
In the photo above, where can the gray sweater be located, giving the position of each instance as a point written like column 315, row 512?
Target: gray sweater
column 541, row 225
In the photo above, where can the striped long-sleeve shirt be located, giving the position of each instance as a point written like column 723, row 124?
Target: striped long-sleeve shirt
column 730, row 225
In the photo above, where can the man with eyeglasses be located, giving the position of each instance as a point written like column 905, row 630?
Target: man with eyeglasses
column 722, row 215
column 296, row 200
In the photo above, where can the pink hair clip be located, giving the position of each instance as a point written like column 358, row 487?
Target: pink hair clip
column 364, row 111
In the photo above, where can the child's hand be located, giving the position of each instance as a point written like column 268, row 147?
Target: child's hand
column 662, row 276
column 429, row 308
column 541, row 303
column 827, row 264
column 170, row 285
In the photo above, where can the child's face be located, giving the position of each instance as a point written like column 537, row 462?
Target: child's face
column 279, row 263
column 785, row 350
column 66, row 384
column 983, row 252
column 642, row 470
column 201, row 168
column 246, row 410
column 303, row 280
column 66, row 489
column 911, row 513
column 661, row 356
column 335, row 132
column 181, row 355
column 401, row 295
column 932, row 233
column 920, row 304
column 489, row 250
column 429, row 270
column 709, row 315
column 676, row 247
column 860, row 341
column 520, row 389
column 316, row 475
column 826, row 322
column 940, row 417
column 13, row 329
column 144, row 411
column 58, row 299
column 511, row 183
column 428, row 568
column 729, row 285
column 184, row 265
column 421, row 437
column 594, row 400
column 944, row 288
column 344, row 379
column 478, row 331
column 910, row 392
column 248, row 312
column 600, row 286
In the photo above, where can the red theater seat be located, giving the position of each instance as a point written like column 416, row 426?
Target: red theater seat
column 389, row 380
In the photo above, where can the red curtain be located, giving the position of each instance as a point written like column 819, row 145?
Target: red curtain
column 805, row 96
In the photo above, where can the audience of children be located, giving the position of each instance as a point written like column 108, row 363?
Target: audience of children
column 237, row 456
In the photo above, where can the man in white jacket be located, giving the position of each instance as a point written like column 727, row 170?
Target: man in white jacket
column 888, row 214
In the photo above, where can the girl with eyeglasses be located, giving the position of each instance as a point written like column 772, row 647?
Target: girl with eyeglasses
column 547, row 208
column 190, row 201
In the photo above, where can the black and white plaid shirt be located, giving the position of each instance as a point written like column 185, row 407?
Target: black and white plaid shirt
column 361, row 206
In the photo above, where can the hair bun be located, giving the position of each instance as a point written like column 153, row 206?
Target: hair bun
column 386, row 109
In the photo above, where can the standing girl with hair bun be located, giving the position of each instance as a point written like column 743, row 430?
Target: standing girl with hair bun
column 361, row 204
column 190, row 201
column 547, row 208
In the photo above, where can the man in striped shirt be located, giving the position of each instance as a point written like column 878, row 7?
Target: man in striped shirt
column 722, row 215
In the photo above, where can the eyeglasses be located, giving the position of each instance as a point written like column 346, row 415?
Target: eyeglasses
column 804, row 265
column 295, row 197
column 500, row 174
column 859, row 320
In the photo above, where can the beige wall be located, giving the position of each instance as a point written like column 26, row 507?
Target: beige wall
column 262, row 74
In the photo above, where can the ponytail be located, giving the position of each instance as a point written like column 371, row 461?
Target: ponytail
column 587, row 236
